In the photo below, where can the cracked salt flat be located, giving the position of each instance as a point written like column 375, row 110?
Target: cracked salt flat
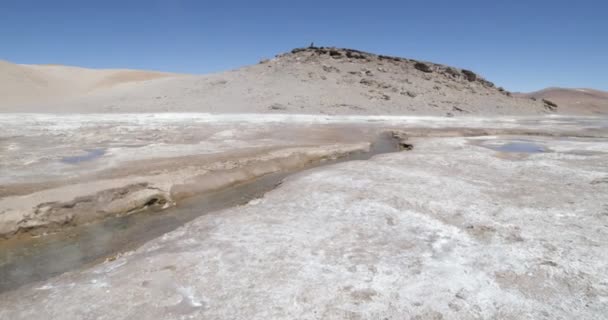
column 446, row 231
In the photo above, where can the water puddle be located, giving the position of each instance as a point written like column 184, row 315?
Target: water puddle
column 514, row 146
column 29, row 260
column 91, row 154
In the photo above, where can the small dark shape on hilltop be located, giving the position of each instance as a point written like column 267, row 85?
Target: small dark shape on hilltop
column 469, row 75
column 423, row 67
column 550, row 104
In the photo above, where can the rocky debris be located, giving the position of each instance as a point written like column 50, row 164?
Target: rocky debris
column 349, row 106
column 335, row 53
column 485, row 82
column 376, row 94
column 353, row 54
column 368, row 82
column 402, row 139
column 296, row 50
column 452, row 72
column 423, row 67
column 406, row 146
column 550, row 104
column 409, row 94
column 549, row 263
column 327, row 68
column 277, row 106
column 505, row 92
column 469, row 75
column 375, row 84
column 390, row 58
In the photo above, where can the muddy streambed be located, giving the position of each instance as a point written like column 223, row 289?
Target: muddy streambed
column 25, row 260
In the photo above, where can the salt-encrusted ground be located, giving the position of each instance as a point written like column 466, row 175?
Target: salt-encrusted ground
column 450, row 230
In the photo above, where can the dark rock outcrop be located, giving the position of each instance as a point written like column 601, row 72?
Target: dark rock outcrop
column 452, row 72
column 454, row 77
column 469, row 75
column 423, row 67
column 550, row 104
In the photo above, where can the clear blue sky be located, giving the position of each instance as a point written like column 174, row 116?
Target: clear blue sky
column 521, row 45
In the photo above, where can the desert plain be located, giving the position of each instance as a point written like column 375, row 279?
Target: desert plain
column 322, row 183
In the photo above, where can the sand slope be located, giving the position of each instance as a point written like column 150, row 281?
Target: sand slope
column 43, row 84
column 311, row 80
column 575, row 100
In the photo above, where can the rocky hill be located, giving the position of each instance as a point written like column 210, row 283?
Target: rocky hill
column 312, row 80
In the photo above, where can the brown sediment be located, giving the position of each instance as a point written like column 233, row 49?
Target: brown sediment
column 45, row 211
column 100, row 236
column 166, row 180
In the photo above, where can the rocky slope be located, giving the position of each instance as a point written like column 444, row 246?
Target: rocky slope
column 307, row 80
column 577, row 101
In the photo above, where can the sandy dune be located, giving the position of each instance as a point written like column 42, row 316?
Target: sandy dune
column 310, row 81
column 575, row 100
column 43, row 84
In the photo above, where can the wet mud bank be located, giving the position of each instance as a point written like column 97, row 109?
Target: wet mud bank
column 70, row 205
column 27, row 259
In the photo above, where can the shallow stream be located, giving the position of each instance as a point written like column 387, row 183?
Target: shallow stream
column 28, row 260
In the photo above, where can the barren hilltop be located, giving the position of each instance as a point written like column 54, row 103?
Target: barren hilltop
column 313, row 80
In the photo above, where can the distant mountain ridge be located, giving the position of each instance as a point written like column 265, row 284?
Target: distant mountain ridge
column 574, row 100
